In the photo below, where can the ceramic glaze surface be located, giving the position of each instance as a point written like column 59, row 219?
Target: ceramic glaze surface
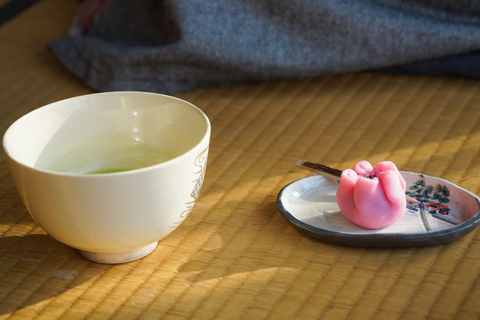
column 158, row 143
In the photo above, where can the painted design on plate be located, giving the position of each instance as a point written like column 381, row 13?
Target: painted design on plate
column 199, row 175
column 434, row 199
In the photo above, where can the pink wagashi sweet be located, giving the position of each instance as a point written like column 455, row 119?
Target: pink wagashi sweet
column 372, row 197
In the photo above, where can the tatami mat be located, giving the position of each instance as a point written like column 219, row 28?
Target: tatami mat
column 235, row 257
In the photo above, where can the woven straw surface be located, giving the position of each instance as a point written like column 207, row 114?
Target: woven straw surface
column 235, row 257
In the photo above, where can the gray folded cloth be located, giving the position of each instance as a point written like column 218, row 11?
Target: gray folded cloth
column 181, row 45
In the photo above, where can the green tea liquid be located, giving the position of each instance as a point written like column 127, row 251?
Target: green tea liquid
column 117, row 156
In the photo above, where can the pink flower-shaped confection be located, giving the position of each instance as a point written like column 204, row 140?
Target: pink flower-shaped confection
column 372, row 197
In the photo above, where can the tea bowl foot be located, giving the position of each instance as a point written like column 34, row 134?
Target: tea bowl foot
column 119, row 257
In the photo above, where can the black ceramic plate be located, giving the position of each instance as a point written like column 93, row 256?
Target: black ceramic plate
column 446, row 213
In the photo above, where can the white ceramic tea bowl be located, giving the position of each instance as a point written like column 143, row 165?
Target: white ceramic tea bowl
column 110, row 174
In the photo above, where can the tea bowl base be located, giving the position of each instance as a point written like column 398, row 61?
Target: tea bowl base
column 118, row 257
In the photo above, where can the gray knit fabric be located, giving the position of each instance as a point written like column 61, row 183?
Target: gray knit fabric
column 180, row 45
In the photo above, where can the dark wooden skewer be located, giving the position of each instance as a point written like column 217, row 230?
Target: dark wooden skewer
column 325, row 171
